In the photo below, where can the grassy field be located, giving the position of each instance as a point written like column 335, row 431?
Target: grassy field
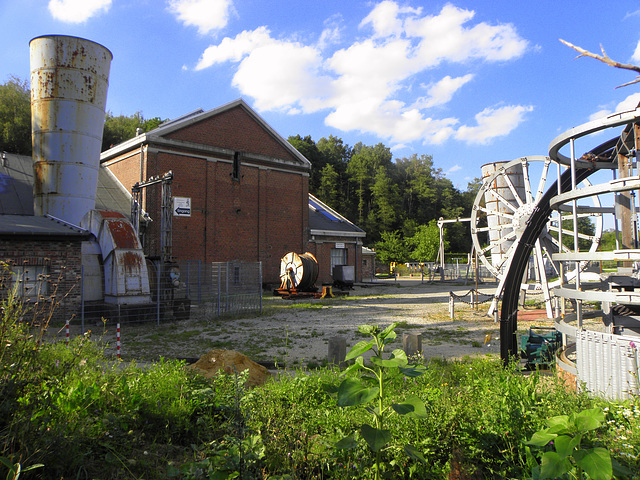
column 71, row 412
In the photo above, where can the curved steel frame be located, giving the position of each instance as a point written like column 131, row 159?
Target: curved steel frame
column 603, row 156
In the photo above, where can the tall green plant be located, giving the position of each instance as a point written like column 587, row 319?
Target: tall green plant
column 573, row 451
column 369, row 391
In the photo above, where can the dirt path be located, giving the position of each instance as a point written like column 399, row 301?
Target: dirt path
column 297, row 332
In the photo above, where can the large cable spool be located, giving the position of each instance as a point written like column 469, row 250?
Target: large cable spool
column 301, row 270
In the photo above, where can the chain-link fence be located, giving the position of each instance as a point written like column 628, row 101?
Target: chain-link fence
column 433, row 272
column 191, row 289
column 223, row 287
column 171, row 291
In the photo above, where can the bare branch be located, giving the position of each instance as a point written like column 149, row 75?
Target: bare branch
column 604, row 58
column 630, row 83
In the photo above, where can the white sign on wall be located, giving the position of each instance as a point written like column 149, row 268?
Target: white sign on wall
column 339, row 245
column 181, row 206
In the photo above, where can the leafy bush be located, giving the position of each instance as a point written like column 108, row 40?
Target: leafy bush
column 83, row 415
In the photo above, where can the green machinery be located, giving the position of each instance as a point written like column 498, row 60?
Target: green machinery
column 538, row 347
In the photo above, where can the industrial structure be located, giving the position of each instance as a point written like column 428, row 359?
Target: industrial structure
column 599, row 351
column 501, row 210
column 215, row 186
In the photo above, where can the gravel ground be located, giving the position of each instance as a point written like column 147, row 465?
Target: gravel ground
column 297, row 332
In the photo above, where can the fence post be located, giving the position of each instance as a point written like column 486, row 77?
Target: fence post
column 82, row 298
column 451, row 304
column 219, row 282
column 158, row 295
column 199, row 281
column 188, row 286
column 260, row 284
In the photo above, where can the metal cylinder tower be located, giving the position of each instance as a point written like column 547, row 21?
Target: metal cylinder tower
column 69, row 81
column 497, row 199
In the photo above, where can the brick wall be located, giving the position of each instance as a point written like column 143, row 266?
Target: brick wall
column 236, row 130
column 260, row 216
column 321, row 249
column 62, row 258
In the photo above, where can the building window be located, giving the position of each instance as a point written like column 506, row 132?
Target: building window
column 338, row 257
column 29, row 281
column 235, row 174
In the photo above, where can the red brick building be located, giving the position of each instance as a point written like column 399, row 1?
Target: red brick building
column 243, row 188
column 40, row 263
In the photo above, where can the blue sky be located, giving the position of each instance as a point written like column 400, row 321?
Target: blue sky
column 467, row 82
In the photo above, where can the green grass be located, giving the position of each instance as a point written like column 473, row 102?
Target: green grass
column 83, row 415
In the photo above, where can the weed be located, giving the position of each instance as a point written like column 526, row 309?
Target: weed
column 355, row 392
column 573, row 448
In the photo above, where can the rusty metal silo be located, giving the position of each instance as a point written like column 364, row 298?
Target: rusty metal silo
column 69, row 81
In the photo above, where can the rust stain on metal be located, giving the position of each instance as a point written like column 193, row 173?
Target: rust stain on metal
column 111, row 214
column 123, row 234
column 39, row 170
column 131, row 261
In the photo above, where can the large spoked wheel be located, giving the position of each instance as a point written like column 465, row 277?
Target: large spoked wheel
column 500, row 214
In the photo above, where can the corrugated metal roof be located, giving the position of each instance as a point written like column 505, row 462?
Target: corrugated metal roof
column 16, row 188
column 29, row 225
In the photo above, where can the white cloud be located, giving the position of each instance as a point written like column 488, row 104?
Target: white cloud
column 442, row 91
column 206, row 15
column 599, row 114
column 77, row 11
column 636, row 54
column 234, row 49
column 288, row 77
column 453, row 169
column 332, row 32
column 492, row 123
column 444, row 37
column 384, row 18
column 629, row 103
column 366, row 86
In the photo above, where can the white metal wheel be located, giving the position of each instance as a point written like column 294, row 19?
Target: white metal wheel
column 502, row 209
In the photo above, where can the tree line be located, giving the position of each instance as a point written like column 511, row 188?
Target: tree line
column 396, row 201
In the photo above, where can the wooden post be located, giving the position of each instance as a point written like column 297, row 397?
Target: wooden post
column 412, row 344
column 337, row 351
column 624, row 203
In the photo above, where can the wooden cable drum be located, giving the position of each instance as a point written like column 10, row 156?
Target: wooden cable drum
column 302, row 269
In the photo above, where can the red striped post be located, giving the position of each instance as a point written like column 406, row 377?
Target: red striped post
column 118, row 340
column 67, row 330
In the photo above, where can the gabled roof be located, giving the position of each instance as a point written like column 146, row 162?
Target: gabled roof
column 325, row 221
column 16, row 188
column 196, row 116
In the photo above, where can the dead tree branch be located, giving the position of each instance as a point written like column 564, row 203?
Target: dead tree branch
column 604, row 58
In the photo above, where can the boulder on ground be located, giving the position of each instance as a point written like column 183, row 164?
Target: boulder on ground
column 230, row 362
